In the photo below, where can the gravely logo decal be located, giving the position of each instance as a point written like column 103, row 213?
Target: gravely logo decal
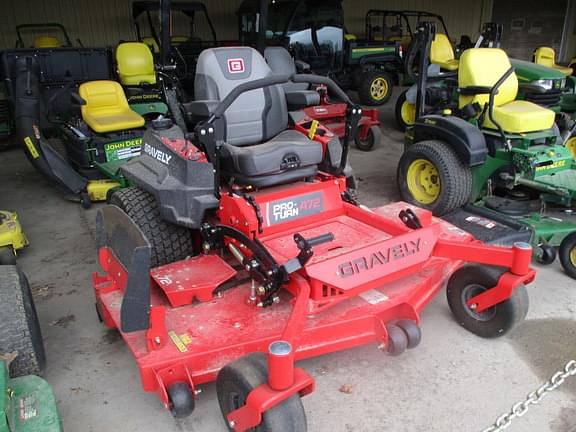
column 157, row 154
column 379, row 258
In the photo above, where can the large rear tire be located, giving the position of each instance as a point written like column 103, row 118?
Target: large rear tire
column 404, row 112
column 375, row 88
column 432, row 176
column 236, row 380
column 20, row 329
column 169, row 242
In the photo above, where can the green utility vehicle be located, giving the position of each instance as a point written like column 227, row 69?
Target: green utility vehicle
column 315, row 33
column 493, row 150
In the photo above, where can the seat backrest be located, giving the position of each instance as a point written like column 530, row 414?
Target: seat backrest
column 484, row 67
column 281, row 63
column 46, row 42
column 441, row 50
column 102, row 96
column 256, row 115
column 151, row 43
column 545, row 56
column 135, row 64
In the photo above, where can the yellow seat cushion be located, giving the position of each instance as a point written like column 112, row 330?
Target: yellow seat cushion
column 442, row 53
column 135, row 64
column 521, row 117
column 46, row 42
column 484, row 67
column 106, row 108
column 546, row 56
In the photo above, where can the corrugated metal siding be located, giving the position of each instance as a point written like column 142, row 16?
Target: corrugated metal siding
column 105, row 22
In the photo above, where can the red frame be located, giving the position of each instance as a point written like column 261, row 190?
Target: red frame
column 320, row 310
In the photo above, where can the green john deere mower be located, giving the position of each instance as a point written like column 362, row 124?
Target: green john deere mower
column 502, row 154
column 27, row 403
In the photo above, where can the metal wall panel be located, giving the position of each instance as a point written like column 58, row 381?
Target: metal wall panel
column 105, row 22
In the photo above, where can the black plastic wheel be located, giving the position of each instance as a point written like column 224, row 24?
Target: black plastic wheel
column 7, row 256
column 375, row 87
column 496, row 321
column 20, row 330
column 169, row 242
column 412, row 331
column 567, row 253
column 85, row 200
column 404, row 112
column 181, row 399
column 373, row 137
column 431, row 175
column 397, row 340
column 236, row 380
column 546, row 254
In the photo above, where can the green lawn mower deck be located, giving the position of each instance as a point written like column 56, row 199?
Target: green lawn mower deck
column 28, row 404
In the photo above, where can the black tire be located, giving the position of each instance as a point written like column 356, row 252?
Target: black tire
column 496, row 321
column 181, row 400
column 567, row 253
column 373, row 137
column 400, row 119
column 412, row 331
column 451, row 183
column 397, row 340
column 236, row 380
column 370, row 82
column 7, row 256
column 546, row 254
column 169, row 242
column 20, row 330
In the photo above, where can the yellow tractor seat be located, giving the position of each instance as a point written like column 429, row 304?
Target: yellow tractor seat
column 135, row 64
column 546, row 56
column 178, row 40
column 483, row 67
column 442, row 53
column 46, row 42
column 106, row 108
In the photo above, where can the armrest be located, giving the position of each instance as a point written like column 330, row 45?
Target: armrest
column 474, row 90
column 531, row 88
column 302, row 66
column 202, row 108
column 76, row 99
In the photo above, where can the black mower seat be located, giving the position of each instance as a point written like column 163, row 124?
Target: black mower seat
column 289, row 156
column 298, row 95
column 258, row 150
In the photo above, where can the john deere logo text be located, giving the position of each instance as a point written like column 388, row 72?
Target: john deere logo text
column 304, row 205
column 157, row 154
column 557, row 164
column 379, row 258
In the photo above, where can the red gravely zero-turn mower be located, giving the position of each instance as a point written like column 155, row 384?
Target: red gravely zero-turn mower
column 240, row 252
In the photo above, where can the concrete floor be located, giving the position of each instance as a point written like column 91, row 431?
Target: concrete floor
column 453, row 381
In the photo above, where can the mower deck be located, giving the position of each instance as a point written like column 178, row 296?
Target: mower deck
column 205, row 336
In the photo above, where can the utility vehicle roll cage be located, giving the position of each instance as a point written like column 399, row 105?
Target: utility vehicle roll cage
column 401, row 15
column 39, row 26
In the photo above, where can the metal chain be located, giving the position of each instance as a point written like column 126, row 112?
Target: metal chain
column 521, row 408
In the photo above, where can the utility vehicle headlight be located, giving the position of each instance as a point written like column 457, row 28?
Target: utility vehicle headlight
column 544, row 83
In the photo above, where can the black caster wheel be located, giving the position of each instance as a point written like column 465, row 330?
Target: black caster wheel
column 373, row 137
column 568, row 255
column 412, row 331
column 496, row 321
column 397, row 340
column 85, row 200
column 181, row 399
column 546, row 254
column 236, row 380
